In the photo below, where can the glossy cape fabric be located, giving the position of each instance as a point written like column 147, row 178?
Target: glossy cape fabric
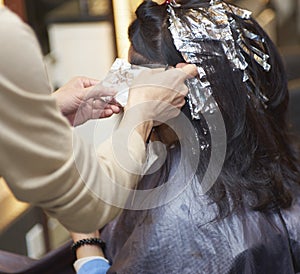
column 181, row 237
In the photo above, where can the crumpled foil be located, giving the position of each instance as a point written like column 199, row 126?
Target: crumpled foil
column 215, row 22
column 120, row 78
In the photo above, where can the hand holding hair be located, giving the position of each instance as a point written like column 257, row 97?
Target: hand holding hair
column 158, row 95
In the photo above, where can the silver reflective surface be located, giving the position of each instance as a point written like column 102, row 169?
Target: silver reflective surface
column 213, row 23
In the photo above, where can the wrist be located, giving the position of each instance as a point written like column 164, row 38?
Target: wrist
column 58, row 100
column 86, row 245
column 144, row 130
column 89, row 251
column 138, row 122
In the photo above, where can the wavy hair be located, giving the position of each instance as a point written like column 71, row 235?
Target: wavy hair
column 261, row 164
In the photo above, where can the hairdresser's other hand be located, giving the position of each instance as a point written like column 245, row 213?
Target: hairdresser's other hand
column 80, row 100
column 159, row 95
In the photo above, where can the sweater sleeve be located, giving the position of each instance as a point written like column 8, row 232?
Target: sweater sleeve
column 42, row 160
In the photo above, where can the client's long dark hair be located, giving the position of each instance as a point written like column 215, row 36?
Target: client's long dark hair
column 261, row 165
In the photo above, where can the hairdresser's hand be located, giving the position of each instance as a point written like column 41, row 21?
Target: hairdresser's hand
column 80, row 100
column 156, row 96
column 159, row 95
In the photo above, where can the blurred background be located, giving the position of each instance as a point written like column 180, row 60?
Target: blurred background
column 83, row 37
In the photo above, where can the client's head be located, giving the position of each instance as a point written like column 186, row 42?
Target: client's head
column 249, row 88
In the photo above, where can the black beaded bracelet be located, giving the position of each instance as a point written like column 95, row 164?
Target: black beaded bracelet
column 90, row 241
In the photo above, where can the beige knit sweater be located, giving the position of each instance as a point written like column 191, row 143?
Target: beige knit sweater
column 42, row 160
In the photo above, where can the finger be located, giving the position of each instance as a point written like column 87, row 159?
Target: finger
column 88, row 82
column 115, row 109
column 181, row 74
column 190, row 70
column 182, row 89
column 181, row 65
column 102, row 113
column 106, row 113
column 99, row 91
column 179, row 103
column 99, row 106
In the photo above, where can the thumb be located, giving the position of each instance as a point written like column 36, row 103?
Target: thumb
column 89, row 82
column 189, row 69
column 98, row 91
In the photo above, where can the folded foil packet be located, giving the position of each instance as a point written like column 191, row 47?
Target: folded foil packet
column 120, row 77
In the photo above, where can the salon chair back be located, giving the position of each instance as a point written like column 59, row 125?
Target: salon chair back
column 59, row 261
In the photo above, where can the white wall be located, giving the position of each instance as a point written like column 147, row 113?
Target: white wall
column 80, row 49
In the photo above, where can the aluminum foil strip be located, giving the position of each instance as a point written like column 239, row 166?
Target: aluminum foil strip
column 213, row 23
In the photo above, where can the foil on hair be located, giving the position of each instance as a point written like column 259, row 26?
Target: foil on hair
column 214, row 23
column 173, row 3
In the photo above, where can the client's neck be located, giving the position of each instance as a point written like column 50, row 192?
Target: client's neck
column 164, row 134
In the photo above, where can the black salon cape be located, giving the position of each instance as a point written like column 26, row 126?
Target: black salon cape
column 183, row 237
